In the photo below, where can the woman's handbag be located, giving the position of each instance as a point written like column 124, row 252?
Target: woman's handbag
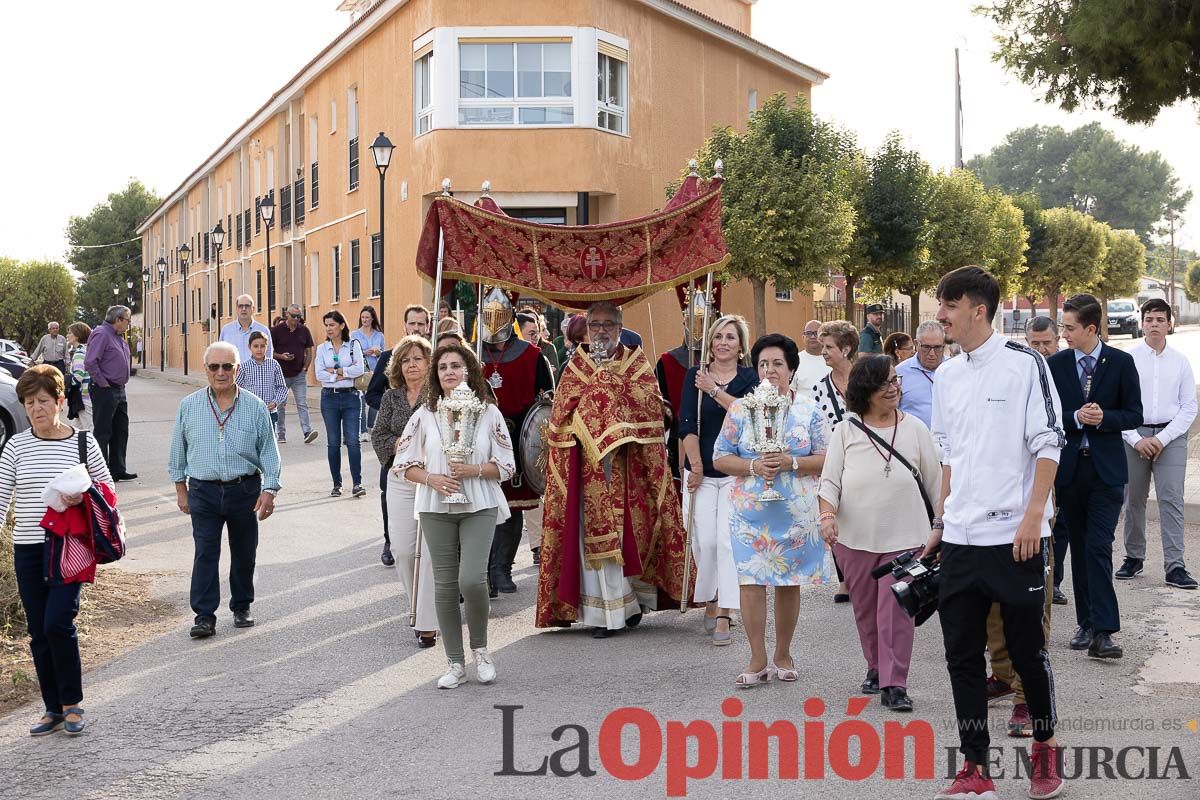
column 362, row 381
column 903, row 462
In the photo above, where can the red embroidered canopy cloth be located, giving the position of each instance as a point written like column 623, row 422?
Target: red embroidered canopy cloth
column 573, row 266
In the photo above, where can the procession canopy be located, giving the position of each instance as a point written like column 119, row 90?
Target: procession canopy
column 576, row 265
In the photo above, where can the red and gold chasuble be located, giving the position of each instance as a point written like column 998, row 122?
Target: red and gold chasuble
column 609, row 483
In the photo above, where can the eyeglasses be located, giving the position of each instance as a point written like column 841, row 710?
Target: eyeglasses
column 226, row 367
column 245, row 305
column 895, row 380
column 602, row 326
column 932, row 348
column 811, row 334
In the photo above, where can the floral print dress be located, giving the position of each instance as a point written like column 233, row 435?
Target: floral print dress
column 777, row 542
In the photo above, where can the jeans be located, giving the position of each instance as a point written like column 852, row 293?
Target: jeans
column 368, row 414
column 298, row 387
column 51, row 612
column 342, row 412
column 110, row 416
column 213, row 507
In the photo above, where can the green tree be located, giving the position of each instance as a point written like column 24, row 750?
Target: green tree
column 786, row 217
column 1089, row 170
column 1131, row 58
column 1034, row 222
column 1120, row 272
column 1005, row 256
column 1191, row 282
column 32, row 295
column 892, row 226
column 112, row 221
column 1072, row 256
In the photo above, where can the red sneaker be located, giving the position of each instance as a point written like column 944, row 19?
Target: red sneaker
column 997, row 689
column 1020, row 723
column 969, row 784
column 1044, row 780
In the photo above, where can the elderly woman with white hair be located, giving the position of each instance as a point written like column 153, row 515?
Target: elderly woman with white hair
column 225, row 465
column 722, row 380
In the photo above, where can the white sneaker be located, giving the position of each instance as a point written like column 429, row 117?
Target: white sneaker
column 455, row 676
column 485, row 668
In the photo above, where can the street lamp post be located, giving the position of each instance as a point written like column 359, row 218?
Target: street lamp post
column 266, row 209
column 129, row 302
column 145, row 312
column 185, row 253
column 218, row 239
column 162, row 313
column 381, row 151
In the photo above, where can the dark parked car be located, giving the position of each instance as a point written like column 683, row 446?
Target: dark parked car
column 1123, row 317
column 12, row 364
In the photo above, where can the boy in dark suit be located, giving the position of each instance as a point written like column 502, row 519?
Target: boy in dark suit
column 1101, row 396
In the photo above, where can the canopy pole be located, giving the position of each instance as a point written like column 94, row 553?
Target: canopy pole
column 437, row 284
column 691, row 523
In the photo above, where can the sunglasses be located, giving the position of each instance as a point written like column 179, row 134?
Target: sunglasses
column 296, row 316
column 226, row 367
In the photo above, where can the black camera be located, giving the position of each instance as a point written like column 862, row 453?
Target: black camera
column 917, row 583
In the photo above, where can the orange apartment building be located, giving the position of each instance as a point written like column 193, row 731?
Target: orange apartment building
column 575, row 111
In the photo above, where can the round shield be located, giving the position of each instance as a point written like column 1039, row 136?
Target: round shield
column 531, row 444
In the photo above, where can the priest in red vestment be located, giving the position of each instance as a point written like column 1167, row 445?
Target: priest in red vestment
column 612, row 543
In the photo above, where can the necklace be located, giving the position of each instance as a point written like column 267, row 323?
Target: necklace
column 887, row 459
column 495, row 380
column 222, row 422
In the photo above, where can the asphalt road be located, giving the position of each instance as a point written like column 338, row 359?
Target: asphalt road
column 329, row 697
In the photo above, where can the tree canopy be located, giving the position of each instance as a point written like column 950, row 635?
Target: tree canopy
column 32, row 295
column 114, row 220
column 891, row 234
column 1123, row 265
column 1089, row 170
column 786, row 217
column 1131, row 58
column 1073, row 252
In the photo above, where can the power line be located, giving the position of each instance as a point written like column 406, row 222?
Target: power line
column 111, row 244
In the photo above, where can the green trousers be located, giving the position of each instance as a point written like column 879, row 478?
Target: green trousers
column 458, row 547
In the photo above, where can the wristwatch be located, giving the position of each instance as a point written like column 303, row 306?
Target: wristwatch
column 795, row 464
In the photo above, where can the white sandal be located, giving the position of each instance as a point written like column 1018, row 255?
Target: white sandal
column 748, row 679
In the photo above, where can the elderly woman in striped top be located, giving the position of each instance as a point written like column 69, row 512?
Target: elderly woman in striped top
column 29, row 462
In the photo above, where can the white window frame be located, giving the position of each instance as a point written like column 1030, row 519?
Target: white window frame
column 333, row 116
column 584, row 48
column 783, row 295
column 423, row 72
column 518, row 103
column 621, row 112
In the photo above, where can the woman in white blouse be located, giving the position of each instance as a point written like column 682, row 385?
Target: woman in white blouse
column 459, row 535
column 872, row 510
column 839, row 346
column 339, row 361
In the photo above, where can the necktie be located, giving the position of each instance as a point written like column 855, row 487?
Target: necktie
column 1085, row 380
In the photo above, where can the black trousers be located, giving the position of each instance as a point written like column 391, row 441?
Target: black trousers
column 110, row 417
column 1062, row 542
column 50, row 611
column 215, row 507
column 1090, row 508
column 972, row 578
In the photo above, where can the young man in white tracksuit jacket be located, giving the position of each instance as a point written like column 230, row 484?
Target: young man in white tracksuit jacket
column 998, row 422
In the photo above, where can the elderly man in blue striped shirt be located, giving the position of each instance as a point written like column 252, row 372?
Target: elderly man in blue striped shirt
column 225, row 465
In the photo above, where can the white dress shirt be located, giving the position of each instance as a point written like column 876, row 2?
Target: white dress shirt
column 349, row 359
column 1168, row 392
column 811, row 369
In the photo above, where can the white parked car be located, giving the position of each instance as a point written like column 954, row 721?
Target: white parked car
column 9, row 346
column 12, row 413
